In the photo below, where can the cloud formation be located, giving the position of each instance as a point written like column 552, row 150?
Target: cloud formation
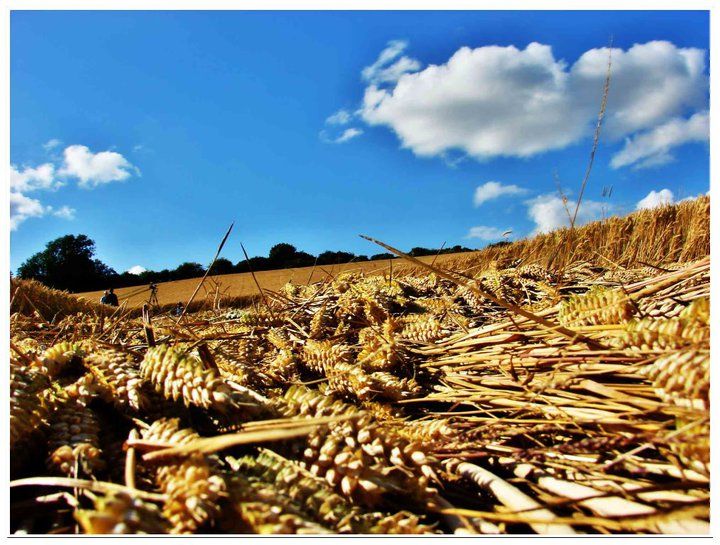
column 22, row 208
column 493, row 190
column 64, row 212
column 137, row 269
column 348, row 134
column 51, row 144
column 390, row 66
column 652, row 148
column 345, row 136
column 495, row 101
column 484, row 232
column 27, row 180
column 93, row 169
column 338, row 119
column 655, row 199
column 341, row 117
column 549, row 212
column 90, row 169
column 33, row 179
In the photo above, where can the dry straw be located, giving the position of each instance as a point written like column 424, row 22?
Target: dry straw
column 496, row 393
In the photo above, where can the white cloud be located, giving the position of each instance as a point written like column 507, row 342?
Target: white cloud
column 64, row 212
column 392, row 73
column 33, row 179
column 503, row 101
column 486, row 233
column 22, row 208
column 51, row 144
column 348, row 134
column 93, row 169
column 345, row 136
column 651, row 83
column 388, row 68
column 137, row 269
column 652, row 148
column 27, row 180
column 549, row 213
column 341, row 117
column 655, row 199
column 493, row 190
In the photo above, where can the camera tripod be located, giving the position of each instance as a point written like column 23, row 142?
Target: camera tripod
column 152, row 301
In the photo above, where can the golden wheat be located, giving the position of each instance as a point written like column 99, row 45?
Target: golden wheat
column 396, row 403
column 120, row 513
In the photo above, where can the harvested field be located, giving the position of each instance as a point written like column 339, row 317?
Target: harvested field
column 675, row 233
column 564, row 397
column 234, row 289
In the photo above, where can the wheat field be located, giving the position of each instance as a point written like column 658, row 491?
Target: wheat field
column 557, row 386
column 241, row 286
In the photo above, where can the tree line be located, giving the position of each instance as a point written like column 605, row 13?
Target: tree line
column 69, row 263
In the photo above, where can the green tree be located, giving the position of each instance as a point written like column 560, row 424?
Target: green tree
column 333, row 258
column 301, row 259
column 255, row 264
column 223, row 266
column 68, row 263
column 282, row 253
column 419, row 251
column 188, row 270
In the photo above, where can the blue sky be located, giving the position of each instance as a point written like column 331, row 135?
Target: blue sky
column 151, row 131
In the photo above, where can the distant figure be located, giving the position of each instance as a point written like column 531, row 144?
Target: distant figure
column 153, row 299
column 109, row 298
column 178, row 310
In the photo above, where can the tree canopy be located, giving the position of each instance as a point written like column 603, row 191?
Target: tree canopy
column 189, row 270
column 223, row 266
column 68, row 263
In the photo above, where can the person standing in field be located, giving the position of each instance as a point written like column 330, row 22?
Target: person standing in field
column 109, row 298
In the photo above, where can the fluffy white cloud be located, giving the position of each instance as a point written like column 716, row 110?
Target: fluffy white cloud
column 32, row 179
column 137, row 269
column 486, row 233
column 93, row 169
column 27, row 180
column 651, row 83
column 22, row 208
column 493, row 190
column 64, row 212
column 652, row 148
column 341, row 117
column 655, row 199
column 388, row 68
column 549, row 212
column 503, row 101
column 390, row 65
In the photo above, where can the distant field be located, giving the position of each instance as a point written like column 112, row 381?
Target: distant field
column 241, row 285
column 679, row 233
